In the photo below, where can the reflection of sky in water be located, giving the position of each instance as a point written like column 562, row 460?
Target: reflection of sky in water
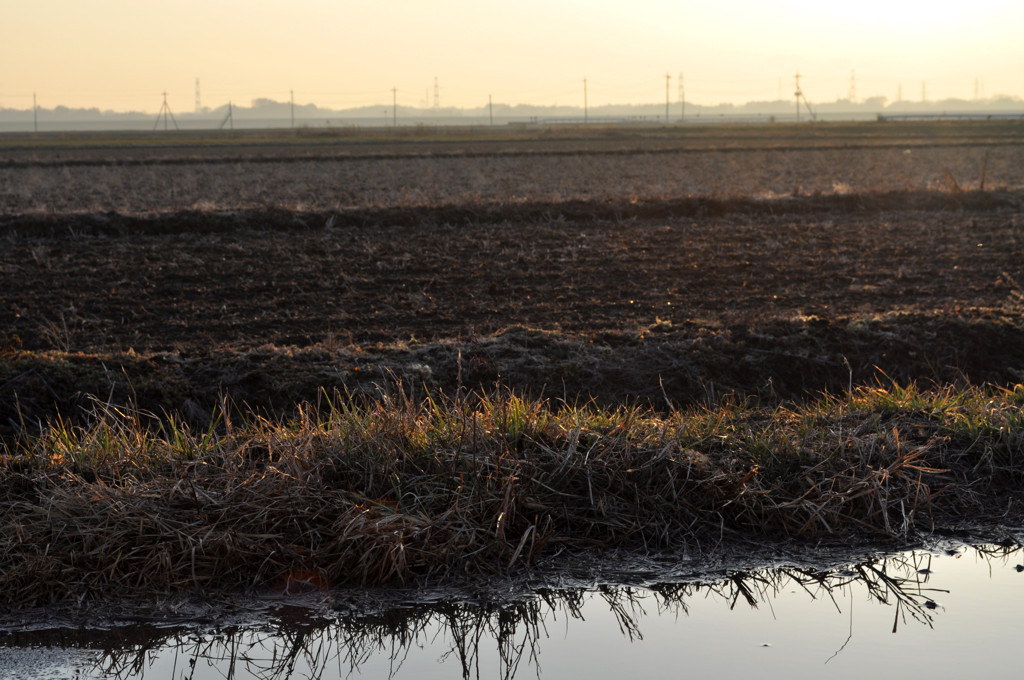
column 799, row 629
column 979, row 620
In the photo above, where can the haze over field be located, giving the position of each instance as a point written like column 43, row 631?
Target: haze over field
column 122, row 54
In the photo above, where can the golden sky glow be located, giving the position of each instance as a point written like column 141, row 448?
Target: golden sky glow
column 121, row 54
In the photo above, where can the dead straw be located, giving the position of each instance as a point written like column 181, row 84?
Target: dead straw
column 391, row 490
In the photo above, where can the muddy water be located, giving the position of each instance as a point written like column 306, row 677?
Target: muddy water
column 913, row 612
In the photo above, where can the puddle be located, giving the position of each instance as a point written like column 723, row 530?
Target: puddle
column 912, row 612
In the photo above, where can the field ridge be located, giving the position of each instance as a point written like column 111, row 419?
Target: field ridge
column 281, row 219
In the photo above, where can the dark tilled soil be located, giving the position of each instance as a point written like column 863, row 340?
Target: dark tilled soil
column 395, row 281
column 677, row 301
column 620, row 285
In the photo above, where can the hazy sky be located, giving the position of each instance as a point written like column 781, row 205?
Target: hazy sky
column 121, row 54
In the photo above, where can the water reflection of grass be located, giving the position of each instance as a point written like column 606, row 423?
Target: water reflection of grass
column 392, row 490
column 515, row 628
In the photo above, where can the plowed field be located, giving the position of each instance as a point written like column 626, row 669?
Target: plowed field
column 633, row 266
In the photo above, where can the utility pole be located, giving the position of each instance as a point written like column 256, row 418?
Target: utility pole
column 668, row 78
column 797, row 95
column 800, row 95
column 230, row 118
column 394, row 107
column 490, row 108
column 35, row 113
column 682, row 99
column 586, row 113
column 165, row 112
column 199, row 104
column 292, row 93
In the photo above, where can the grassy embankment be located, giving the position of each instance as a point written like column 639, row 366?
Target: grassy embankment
column 376, row 492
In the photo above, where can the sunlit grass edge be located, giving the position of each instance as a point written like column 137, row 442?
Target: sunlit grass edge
column 355, row 490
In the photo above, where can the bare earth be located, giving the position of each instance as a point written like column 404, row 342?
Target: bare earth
column 633, row 270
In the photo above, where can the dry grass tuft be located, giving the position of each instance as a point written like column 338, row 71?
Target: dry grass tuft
column 357, row 491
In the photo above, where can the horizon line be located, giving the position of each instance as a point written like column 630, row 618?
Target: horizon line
column 877, row 101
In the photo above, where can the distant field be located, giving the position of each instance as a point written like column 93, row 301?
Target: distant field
column 420, row 139
column 132, row 176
